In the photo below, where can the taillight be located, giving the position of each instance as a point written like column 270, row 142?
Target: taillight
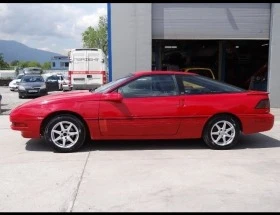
column 263, row 104
column 69, row 78
column 104, row 77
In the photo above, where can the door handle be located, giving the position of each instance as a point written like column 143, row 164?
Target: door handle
column 181, row 103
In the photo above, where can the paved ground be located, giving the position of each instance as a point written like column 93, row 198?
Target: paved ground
column 140, row 176
column 137, row 175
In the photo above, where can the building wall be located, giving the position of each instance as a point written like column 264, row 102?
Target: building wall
column 210, row 21
column 58, row 61
column 131, row 38
column 274, row 53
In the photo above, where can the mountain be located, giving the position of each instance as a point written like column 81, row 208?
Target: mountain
column 13, row 50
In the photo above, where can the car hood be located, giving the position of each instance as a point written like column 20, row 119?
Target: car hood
column 31, row 84
column 75, row 96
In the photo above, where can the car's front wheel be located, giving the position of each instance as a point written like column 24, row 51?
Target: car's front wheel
column 65, row 133
column 221, row 132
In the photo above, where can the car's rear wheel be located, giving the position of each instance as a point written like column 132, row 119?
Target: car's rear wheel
column 221, row 132
column 65, row 133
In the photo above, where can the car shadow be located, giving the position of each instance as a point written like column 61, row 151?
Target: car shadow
column 39, row 144
column 254, row 141
column 246, row 142
column 5, row 111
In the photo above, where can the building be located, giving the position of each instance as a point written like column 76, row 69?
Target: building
column 60, row 63
column 235, row 40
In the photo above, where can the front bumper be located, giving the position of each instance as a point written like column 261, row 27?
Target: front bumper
column 33, row 92
column 13, row 87
column 28, row 128
column 28, row 121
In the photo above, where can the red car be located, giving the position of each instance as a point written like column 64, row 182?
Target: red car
column 146, row 105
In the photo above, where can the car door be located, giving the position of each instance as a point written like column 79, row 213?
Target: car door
column 150, row 107
column 198, row 99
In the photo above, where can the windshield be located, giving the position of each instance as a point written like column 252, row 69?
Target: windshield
column 111, row 85
column 20, row 76
column 26, row 79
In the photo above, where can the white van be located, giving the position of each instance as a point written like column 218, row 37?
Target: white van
column 88, row 68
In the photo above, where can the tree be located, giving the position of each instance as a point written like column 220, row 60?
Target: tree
column 46, row 65
column 33, row 64
column 3, row 64
column 14, row 63
column 23, row 64
column 96, row 37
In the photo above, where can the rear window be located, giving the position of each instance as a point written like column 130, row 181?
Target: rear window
column 203, row 72
column 196, row 84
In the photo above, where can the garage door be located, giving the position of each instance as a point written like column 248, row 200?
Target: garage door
column 211, row 21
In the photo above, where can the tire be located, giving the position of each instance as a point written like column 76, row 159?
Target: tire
column 224, row 138
column 20, row 96
column 56, row 140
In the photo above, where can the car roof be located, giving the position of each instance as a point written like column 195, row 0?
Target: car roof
column 141, row 73
column 197, row 68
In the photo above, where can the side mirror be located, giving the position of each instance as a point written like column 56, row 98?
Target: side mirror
column 113, row 97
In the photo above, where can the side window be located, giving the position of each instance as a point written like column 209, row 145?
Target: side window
column 149, row 86
column 192, row 85
column 52, row 78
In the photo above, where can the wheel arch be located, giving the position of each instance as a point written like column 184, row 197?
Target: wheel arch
column 224, row 114
column 57, row 113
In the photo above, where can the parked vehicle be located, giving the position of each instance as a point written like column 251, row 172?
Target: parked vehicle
column 201, row 71
column 32, row 70
column 258, row 81
column 87, row 69
column 13, row 85
column 66, row 85
column 146, row 105
column 55, row 82
column 32, row 85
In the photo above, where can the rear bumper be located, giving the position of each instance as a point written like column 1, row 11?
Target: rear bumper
column 257, row 123
column 85, row 86
column 66, row 87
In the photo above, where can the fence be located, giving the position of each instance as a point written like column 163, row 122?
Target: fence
column 7, row 74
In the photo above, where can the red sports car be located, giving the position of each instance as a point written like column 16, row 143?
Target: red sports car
column 146, row 105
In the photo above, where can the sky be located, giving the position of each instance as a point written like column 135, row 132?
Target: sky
column 52, row 27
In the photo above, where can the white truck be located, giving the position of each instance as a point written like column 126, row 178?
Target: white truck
column 88, row 69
